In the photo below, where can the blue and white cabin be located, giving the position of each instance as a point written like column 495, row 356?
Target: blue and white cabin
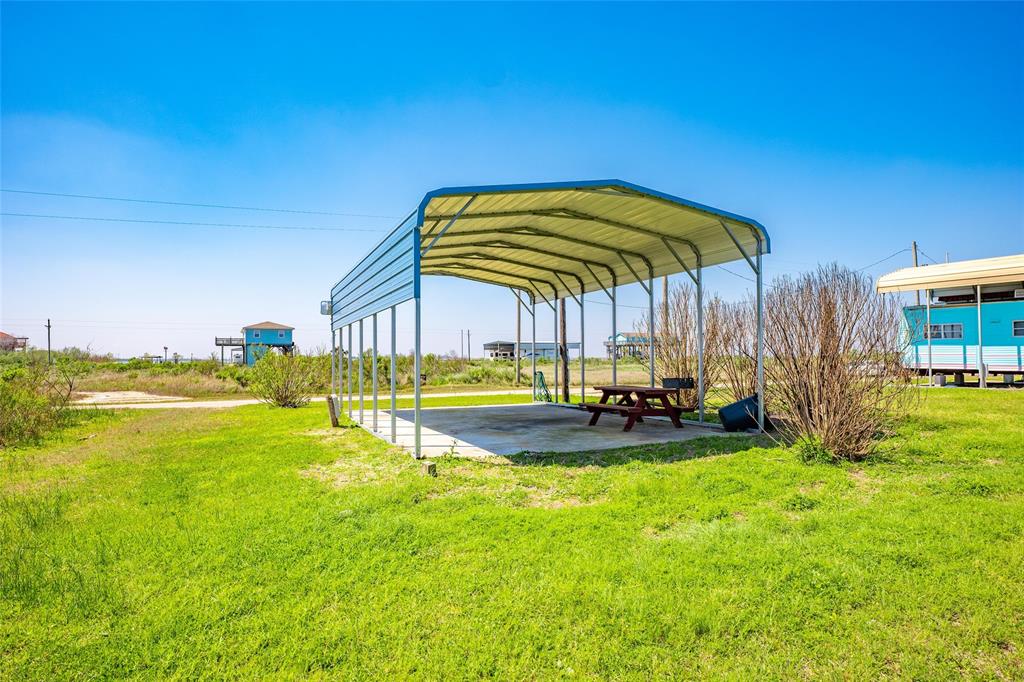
column 259, row 338
column 943, row 334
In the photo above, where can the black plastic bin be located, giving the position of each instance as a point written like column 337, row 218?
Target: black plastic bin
column 740, row 415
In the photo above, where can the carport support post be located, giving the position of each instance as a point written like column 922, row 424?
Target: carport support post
column 416, row 373
column 360, row 371
column 341, row 368
column 373, row 371
column 417, row 257
column 334, row 357
column 760, row 339
column 558, row 348
column 519, row 327
column 533, row 346
column 650, row 314
column 394, row 426
column 928, row 329
column 615, row 342
column 350, row 371
column 700, row 343
column 583, row 355
column 982, row 379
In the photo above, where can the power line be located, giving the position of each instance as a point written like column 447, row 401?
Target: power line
column 190, row 223
column 878, row 262
column 920, row 251
column 195, row 205
column 736, row 274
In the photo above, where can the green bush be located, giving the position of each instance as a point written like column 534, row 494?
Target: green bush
column 237, row 373
column 283, row 380
column 34, row 398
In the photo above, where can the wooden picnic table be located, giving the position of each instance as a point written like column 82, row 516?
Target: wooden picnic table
column 634, row 403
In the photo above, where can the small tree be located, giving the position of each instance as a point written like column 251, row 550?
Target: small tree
column 283, row 380
column 834, row 366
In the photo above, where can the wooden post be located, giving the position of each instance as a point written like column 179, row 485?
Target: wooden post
column 332, row 409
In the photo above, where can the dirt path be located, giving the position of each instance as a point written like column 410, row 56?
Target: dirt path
column 137, row 400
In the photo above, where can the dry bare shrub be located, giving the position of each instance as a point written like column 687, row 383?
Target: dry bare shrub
column 676, row 342
column 834, row 372
column 735, row 344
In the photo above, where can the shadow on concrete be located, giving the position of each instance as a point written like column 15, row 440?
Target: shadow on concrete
column 662, row 453
column 542, row 434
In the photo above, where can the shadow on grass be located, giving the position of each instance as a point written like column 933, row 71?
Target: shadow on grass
column 662, row 453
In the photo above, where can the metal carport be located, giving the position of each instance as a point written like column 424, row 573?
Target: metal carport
column 544, row 242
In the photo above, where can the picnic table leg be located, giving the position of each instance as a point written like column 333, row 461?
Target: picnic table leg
column 597, row 413
column 673, row 411
column 628, row 400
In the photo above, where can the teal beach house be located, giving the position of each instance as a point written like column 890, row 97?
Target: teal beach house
column 971, row 321
column 265, row 336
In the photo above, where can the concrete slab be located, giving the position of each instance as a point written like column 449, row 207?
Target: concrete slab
column 487, row 431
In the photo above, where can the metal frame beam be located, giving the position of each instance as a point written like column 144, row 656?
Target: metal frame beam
column 739, row 247
column 529, row 231
column 506, row 245
column 500, row 259
column 446, row 227
column 463, row 266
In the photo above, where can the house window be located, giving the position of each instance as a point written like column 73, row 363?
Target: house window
column 1018, row 327
column 255, row 333
column 947, row 331
column 280, row 334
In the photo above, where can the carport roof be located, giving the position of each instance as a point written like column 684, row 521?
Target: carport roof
column 568, row 237
column 1001, row 270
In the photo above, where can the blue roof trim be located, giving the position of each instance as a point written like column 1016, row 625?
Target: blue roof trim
column 590, row 184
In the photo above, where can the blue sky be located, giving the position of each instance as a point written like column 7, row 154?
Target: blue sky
column 848, row 130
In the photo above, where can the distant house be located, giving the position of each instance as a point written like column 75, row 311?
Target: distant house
column 9, row 342
column 257, row 339
column 506, row 350
column 263, row 336
column 972, row 320
column 627, row 345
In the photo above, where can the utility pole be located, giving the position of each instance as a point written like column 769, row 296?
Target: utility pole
column 462, row 344
column 664, row 303
column 469, row 351
column 48, row 360
column 515, row 350
column 913, row 247
column 563, row 349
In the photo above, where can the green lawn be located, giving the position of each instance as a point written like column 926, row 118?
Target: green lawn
column 256, row 542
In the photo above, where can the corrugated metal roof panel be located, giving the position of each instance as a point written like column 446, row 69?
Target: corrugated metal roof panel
column 962, row 273
column 547, row 239
column 570, row 237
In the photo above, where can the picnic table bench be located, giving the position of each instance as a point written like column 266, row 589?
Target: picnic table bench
column 634, row 403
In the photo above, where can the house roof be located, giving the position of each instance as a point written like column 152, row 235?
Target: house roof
column 628, row 338
column 267, row 325
column 999, row 270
